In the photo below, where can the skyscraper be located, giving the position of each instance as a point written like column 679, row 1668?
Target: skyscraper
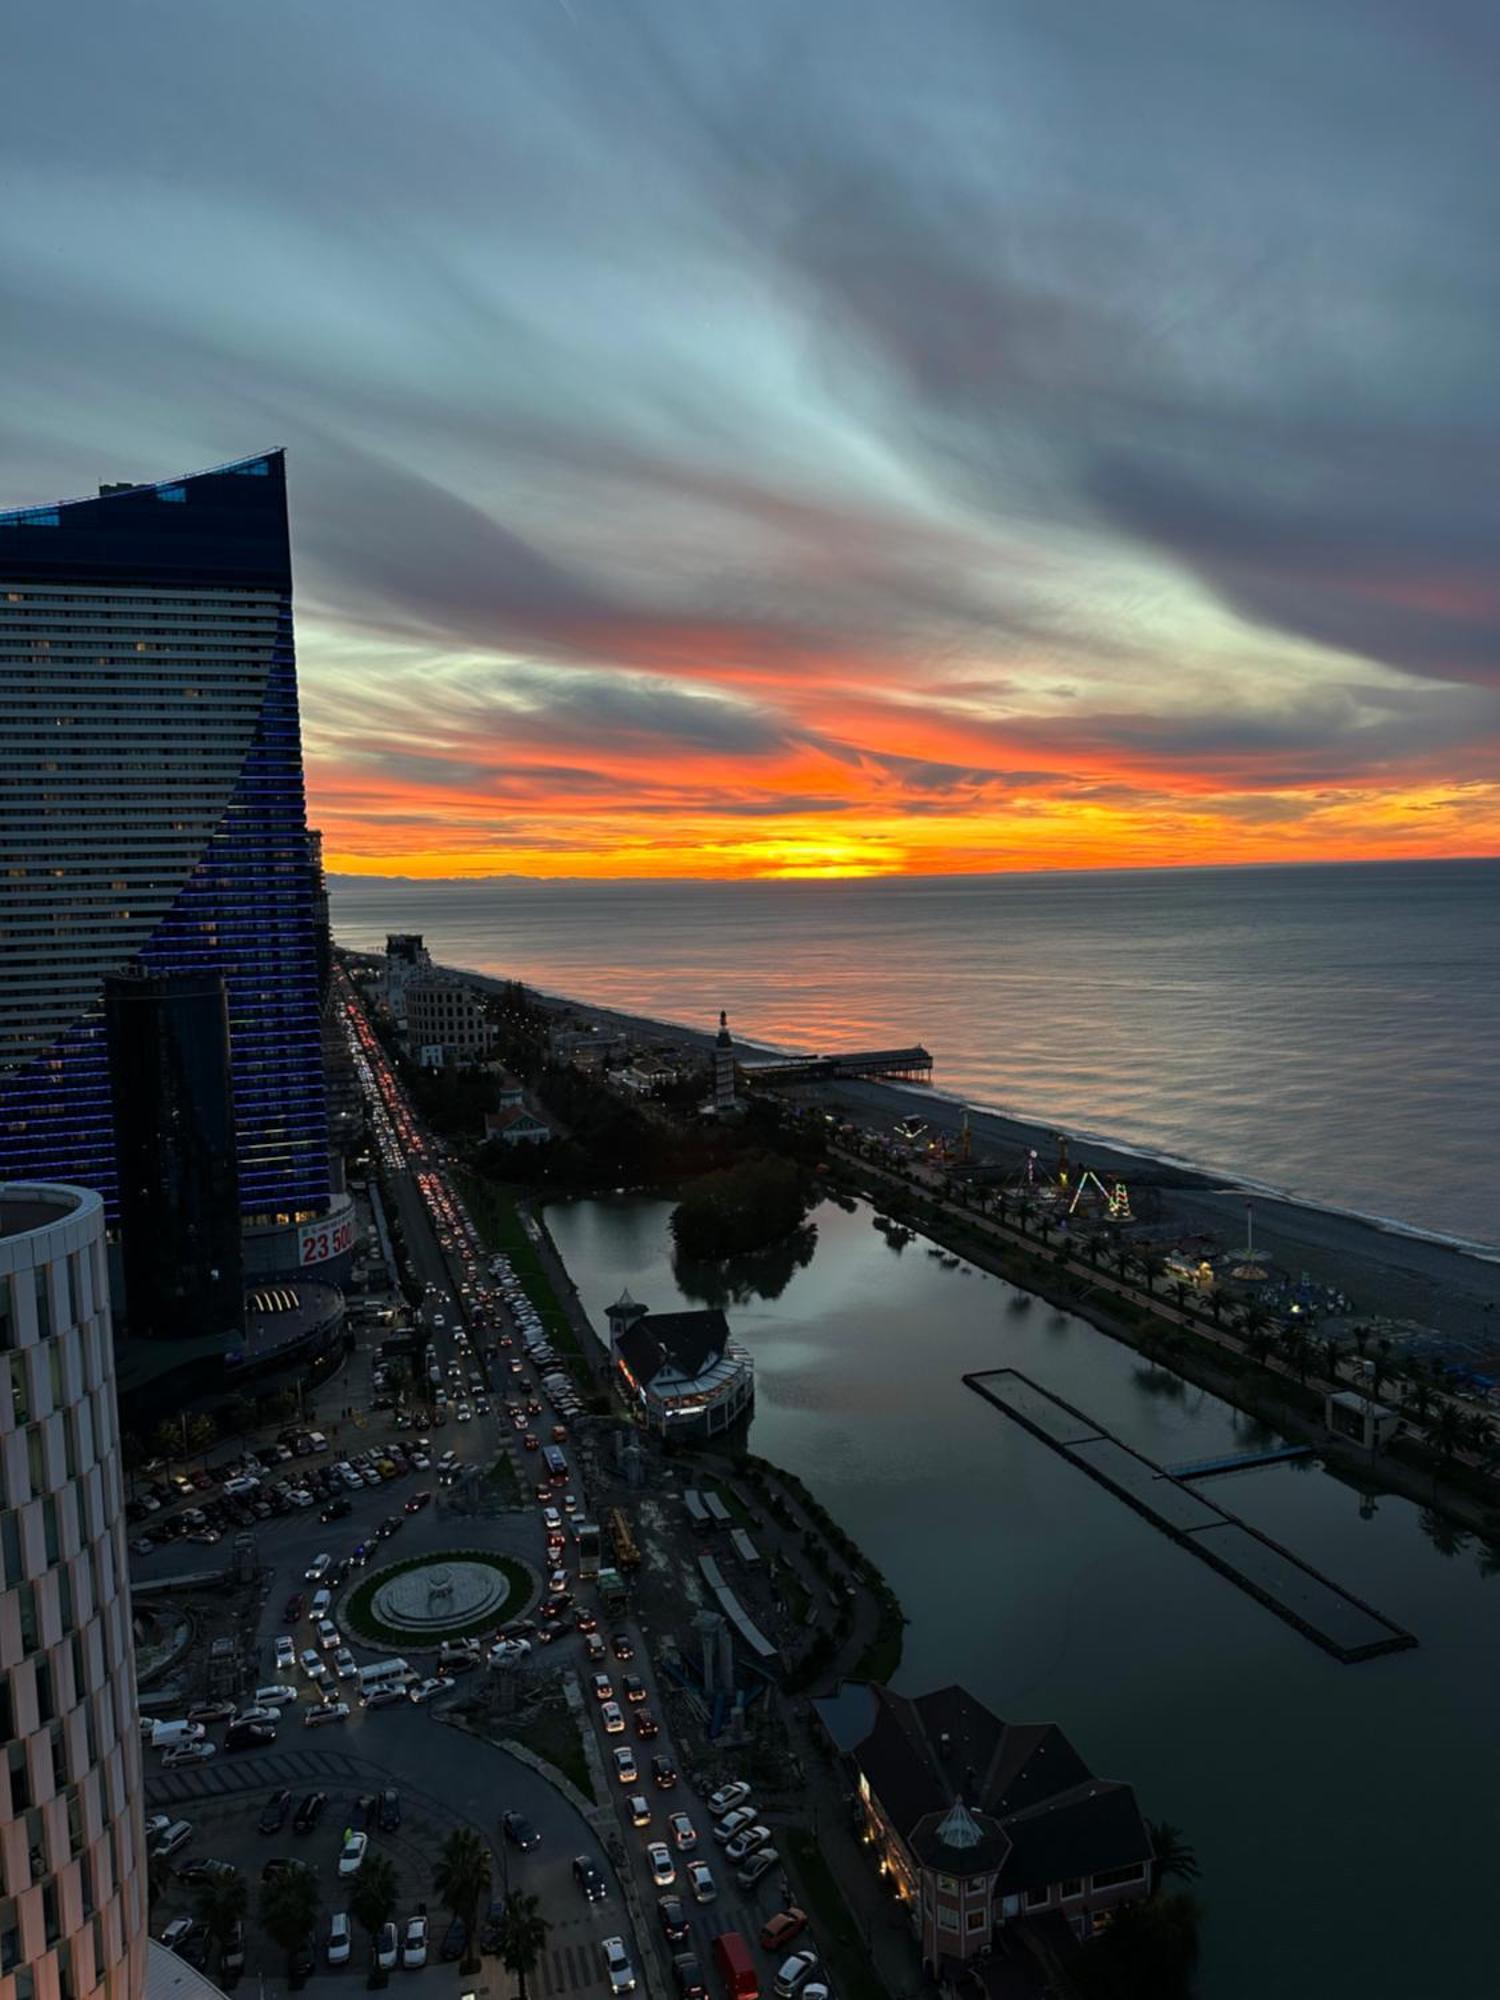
column 72, row 1865
column 152, row 817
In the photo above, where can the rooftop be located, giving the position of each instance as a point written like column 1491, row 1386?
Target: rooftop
column 29, row 1205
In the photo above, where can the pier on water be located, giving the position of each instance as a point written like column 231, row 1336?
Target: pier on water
column 1332, row 1617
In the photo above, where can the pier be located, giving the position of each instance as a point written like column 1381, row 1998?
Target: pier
column 1333, row 1618
column 1237, row 1461
column 913, row 1065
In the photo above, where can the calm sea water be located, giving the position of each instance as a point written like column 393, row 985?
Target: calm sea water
column 1330, row 1031
column 1345, row 1818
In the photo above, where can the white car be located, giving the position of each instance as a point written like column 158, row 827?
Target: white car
column 794, row 1973
column 326, row 1711
column 760, row 1863
column 387, row 1947
column 278, row 1695
column 727, row 1797
column 329, row 1635
column 340, row 1938
column 344, row 1664
column 621, row 1971
column 186, row 1753
column 318, row 1568
column 701, row 1882
column 640, row 1809
column 746, row 1841
column 352, row 1857
column 625, row 1769
column 424, row 1691
column 286, row 1653
column 312, row 1664
column 258, row 1713
column 414, row 1944
column 731, row 1823
column 684, row 1833
column 613, row 1718
column 663, row 1867
column 509, row 1652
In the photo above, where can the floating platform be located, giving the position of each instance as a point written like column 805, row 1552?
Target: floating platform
column 1238, row 1461
column 1332, row 1617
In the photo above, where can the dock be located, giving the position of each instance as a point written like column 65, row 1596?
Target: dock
column 1238, row 1461
column 1332, row 1617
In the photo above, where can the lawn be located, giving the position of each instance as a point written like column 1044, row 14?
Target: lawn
column 357, row 1614
column 553, row 1733
column 503, row 1479
column 838, row 1936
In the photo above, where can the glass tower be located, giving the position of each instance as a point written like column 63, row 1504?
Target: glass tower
column 152, row 817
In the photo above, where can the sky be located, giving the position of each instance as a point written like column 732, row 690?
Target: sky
column 808, row 436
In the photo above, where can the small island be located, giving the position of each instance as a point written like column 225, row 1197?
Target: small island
column 736, row 1209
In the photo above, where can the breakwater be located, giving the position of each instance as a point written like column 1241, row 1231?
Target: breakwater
column 1332, row 1617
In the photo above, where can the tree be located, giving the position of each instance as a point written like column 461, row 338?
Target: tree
column 523, row 1937
column 1450, row 1431
column 1149, row 1952
column 1331, row 1361
column 289, row 1906
column 462, row 1881
column 372, row 1900
column 1173, row 1854
column 222, row 1904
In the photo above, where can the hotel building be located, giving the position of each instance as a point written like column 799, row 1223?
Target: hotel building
column 72, row 1866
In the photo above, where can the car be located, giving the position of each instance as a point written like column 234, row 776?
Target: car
column 302, row 1963
column 384, row 1697
column 286, row 1653
column 520, row 1832
column 689, row 1977
column 329, row 1636
column 172, row 1837
column 587, row 1875
column 389, row 1526
column 509, row 1652
column 325, row 1711
column 780, row 1931
column 684, row 1833
column 593, row 1646
column 186, row 1753
column 389, row 1810
column 210, row 1711
column 336, row 1509
column 197, row 1872
column 603, row 1689
column 176, row 1932
column 727, row 1797
column 659, row 1860
column 617, row 1964
column 387, row 1948
column 425, row 1690
column 663, row 1772
column 232, row 1952
column 731, row 1823
column 672, row 1916
column 634, row 1687
column 761, row 1862
column 551, row 1519
column 318, row 1568
column 417, row 1502
column 621, row 1647
column 701, row 1882
column 344, row 1664
column 274, row 1812
column 646, row 1724
column 414, row 1943
column 260, row 1712
column 340, row 1938
column 612, row 1716
column 746, row 1841
column 352, row 1854
column 586, row 1620
column 307, row 1815
column 625, row 1769
column 794, row 1972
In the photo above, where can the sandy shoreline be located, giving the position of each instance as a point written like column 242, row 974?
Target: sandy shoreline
column 1388, row 1270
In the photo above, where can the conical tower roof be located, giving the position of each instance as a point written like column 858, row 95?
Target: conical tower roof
column 959, row 1828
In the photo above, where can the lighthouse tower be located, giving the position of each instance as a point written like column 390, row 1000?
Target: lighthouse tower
column 723, row 1069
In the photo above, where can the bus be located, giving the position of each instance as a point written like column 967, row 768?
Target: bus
column 622, row 1541
column 556, row 1464
column 384, row 1674
column 588, row 1551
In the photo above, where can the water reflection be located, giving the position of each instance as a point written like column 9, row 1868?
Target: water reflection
column 765, row 1274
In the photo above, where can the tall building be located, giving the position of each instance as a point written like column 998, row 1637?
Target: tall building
column 446, row 1019
column 152, row 817
column 168, row 1043
column 72, row 1863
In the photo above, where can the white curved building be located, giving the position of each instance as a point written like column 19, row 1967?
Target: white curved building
column 72, row 1848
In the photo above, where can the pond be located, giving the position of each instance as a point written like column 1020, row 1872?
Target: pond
column 1344, row 1816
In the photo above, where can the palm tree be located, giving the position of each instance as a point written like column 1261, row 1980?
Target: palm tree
column 1025, row 1209
column 1180, row 1290
column 1173, row 1855
column 1331, row 1361
column 1419, row 1400
column 289, row 1906
column 1450, row 1431
column 462, row 1881
column 372, row 1900
column 1152, row 1266
column 523, row 1937
column 222, row 1903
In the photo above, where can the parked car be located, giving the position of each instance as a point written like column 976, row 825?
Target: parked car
column 455, row 1939
column 414, row 1943
column 274, row 1812
column 309, row 1812
column 760, row 1863
column 387, row 1947
column 794, row 1972
column 727, row 1797
column 731, row 1823
column 340, row 1938
column 746, row 1841
column 186, row 1753
column 390, row 1810
column 352, row 1854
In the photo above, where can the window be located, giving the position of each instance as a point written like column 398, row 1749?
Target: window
column 975, row 1921
column 7, row 1321
column 1116, row 1878
column 1038, row 1899
column 947, row 1919
column 1072, row 1887
column 20, row 1390
column 43, row 1304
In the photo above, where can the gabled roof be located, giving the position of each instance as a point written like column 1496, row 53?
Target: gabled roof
column 690, row 1341
column 1095, row 1826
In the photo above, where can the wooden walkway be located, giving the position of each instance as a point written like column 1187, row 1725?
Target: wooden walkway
column 1333, row 1618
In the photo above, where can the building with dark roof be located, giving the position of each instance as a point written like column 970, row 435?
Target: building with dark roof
column 982, row 1823
column 682, row 1373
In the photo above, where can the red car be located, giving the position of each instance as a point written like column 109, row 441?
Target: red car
column 531, row 1441
column 559, row 1433
column 586, row 1621
column 293, row 1608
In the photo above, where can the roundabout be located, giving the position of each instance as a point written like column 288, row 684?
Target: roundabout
column 451, row 1594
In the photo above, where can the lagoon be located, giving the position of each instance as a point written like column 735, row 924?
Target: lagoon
column 1344, row 1816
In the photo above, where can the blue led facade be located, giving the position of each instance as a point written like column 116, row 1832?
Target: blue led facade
column 152, row 815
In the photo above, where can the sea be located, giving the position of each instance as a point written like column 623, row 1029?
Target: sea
column 1328, row 1032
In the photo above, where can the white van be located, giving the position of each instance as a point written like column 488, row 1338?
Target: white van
column 321, row 1604
column 166, row 1735
column 383, row 1673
